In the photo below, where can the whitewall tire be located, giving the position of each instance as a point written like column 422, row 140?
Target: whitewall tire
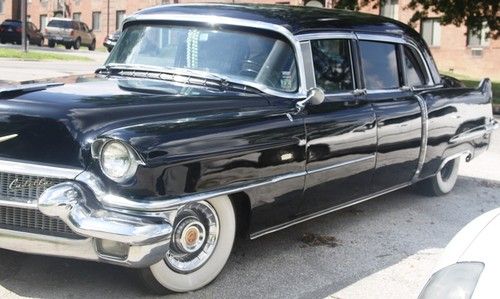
column 444, row 181
column 172, row 274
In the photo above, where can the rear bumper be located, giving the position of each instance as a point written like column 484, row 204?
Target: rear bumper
column 59, row 38
column 117, row 237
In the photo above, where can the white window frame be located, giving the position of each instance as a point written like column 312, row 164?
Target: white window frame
column 392, row 6
column 435, row 38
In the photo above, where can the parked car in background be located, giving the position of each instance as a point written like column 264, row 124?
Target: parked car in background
column 470, row 264
column 69, row 33
column 111, row 39
column 211, row 121
column 11, row 32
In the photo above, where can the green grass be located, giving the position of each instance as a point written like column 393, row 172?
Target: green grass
column 474, row 82
column 39, row 55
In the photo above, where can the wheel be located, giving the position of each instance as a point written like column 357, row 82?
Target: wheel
column 76, row 44
column 67, row 46
column 202, row 240
column 52, row 43
column 444, row 181
column 42, row 42
column 109, row 50
column 92, row 46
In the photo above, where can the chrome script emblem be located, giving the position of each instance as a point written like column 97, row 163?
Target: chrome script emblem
column 7, row 137
column 26, row 184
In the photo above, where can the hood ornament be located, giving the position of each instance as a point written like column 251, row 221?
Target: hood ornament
column 7, row 137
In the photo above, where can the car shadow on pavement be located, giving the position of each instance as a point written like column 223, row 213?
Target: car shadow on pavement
column 367, row 238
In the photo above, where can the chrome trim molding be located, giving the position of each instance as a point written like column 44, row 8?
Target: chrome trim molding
column 84, row 249
column 68, row 202
column 35, row 169
column 120, row 203
column 325, row 35
column 474, row 133
column 19, row 204
column 321, row 213
column 370, row 157
column 219, row 20
column 425, row 136
column 467, row 154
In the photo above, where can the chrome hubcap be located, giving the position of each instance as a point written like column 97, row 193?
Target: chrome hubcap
column 447, row 170
column 195, row 235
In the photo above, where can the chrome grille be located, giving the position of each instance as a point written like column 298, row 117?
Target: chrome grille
column 34, row 221
column 24, row 188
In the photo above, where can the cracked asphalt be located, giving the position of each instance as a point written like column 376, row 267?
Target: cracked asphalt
column 383, row 248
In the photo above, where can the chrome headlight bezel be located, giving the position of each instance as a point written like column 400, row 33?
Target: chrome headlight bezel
column 98, row 152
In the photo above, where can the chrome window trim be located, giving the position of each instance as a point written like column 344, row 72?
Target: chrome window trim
column 400, row 40
column 38, row 169
column 219, row 20
column 330, row 167
column 325, row 35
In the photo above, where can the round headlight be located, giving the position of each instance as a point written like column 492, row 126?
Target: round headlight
column 117, row 161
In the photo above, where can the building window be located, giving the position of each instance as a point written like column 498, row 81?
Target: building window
column 478, row 39
column 43, row 22
column 96, row 20
column 2, row 3
column 120, row 15
column 431, row 31
column 58, row 14
column 390, row 9
column 77, row 16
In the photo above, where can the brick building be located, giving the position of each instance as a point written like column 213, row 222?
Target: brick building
column 454, row 49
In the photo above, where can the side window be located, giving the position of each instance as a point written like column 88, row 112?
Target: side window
column 415, row 74
column 380, row 65
column 332, row 64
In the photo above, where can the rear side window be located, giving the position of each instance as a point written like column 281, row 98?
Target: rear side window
column 415, row 75
column 332, row 64
column 380, row 65
column 60, row 24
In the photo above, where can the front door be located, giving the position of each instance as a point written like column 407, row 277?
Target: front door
column 341, row 132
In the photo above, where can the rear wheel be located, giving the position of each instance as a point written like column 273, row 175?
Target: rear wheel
column 202, row 240
column 52, row 43
column 42, row 42
column 444, row 181
column 68, row 46
column 92, row 46
column 77, row 44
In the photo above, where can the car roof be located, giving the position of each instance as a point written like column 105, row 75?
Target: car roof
column 62, row 19
column 297, row 19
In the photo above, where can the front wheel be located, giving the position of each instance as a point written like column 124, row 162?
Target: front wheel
column 202, row 240
column 77, row 44
column 444, row 181
column 92, row 46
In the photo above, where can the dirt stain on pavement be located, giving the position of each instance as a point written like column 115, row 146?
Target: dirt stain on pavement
column 314, row 240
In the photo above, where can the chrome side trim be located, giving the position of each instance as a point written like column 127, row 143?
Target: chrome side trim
column 148, row 205
column 321, row 213
column 425, row 136
column 474, row 133
column 34, row 169
column 325, row 35
column 370, row 157
column 453, row 157
column 164, row 204
column 219, row 20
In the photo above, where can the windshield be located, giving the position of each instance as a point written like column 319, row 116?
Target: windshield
column 258, row 59
column 60, row 24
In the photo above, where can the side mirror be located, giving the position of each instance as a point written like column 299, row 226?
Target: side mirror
column 315, row 96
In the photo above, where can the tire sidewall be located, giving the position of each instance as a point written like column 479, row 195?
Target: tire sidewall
column 210, row 270
column 445, row 186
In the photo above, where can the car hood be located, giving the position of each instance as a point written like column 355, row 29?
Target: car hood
column 58, row 124
column 478, row 241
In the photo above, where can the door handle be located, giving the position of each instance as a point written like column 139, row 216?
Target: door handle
column 359, row 92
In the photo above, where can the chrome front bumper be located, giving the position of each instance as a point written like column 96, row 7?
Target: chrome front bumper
column 117, row 237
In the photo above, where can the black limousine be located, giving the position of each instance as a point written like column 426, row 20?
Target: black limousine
column 211, row 121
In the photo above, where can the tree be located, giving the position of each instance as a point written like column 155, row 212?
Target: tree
column 472, row 13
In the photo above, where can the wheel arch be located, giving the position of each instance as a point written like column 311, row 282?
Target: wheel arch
column 242, row 210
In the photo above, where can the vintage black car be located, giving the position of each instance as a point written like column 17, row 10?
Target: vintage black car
column 213, row 121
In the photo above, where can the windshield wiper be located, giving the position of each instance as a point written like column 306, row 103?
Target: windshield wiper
column 178, row 75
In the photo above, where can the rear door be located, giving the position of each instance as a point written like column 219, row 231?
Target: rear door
column 341, row 133
column 397, row 109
